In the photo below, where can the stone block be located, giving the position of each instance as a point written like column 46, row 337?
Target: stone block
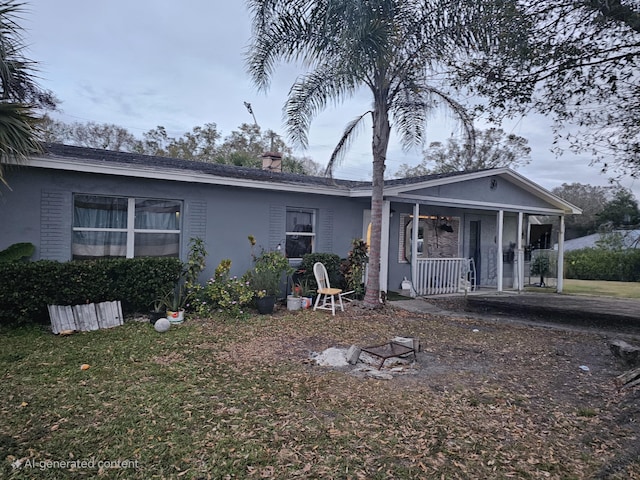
column 629, row 354
column 353, row 354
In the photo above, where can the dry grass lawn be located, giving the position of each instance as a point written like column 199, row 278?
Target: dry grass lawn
column 240, row 399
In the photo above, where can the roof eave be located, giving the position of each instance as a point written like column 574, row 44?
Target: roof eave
column 123, row 169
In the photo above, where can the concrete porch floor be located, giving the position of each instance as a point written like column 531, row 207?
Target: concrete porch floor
column 579, row 310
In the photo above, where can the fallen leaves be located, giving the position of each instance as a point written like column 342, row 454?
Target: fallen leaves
column 237, row 399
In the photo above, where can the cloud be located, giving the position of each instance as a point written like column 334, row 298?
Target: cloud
column 144, row 63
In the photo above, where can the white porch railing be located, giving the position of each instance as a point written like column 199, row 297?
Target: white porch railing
column 436, row 276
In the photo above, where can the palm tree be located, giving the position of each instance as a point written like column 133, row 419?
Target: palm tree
column 19, row 94
column 393, row 48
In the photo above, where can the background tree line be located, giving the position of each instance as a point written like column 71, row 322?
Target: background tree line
column 242, row 147
column 604, row 209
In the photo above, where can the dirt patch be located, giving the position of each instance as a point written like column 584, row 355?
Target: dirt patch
column 555, row 375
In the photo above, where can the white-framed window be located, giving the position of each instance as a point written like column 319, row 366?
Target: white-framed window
column 300, row 232
column 127, row 227
column 438, row 237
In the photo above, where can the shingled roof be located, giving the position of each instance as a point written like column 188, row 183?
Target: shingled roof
column 110, row 157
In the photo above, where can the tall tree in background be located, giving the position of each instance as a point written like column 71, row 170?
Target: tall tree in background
column 246, row 145
column 577, row 61
column 591, row 199
column 621, row 212
column 243, row 147
column 91, row 134
column 199, row 144
column 390, row 48
column 493, row 148
column 19, row 93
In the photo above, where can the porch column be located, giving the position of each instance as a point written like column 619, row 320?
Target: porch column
column 414, row 246
column 499, row 241
column 384, row 246
column 561, row 255
column 520, row 253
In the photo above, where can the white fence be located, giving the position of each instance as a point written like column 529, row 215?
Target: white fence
column 436, row 276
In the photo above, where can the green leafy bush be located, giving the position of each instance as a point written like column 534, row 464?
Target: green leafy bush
column 603, row 264
column 17, row 251
column 354, row 266
column 224, row 294
column 331, row 262
column 264, row 282
column 135, row 282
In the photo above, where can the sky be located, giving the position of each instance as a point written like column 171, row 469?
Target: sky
column 139, row 64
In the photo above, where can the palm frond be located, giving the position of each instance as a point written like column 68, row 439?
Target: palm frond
column 310, row 95
column 348, row 136
column 416, row 103
column 459, row 112
column 18, row 136
column 282, row 31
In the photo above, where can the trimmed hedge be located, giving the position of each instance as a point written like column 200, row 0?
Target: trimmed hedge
column 603, row 264
column 27, row 288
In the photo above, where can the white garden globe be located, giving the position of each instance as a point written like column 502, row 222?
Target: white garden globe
column 162, row 325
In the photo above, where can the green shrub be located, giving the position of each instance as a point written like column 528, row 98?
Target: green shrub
column 331, row 262
column 603, row 264
column 135, row 282
column 354, row 267
column 224, row 294
column 17, row 251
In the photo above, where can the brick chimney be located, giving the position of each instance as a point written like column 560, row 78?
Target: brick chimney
column 272, row 161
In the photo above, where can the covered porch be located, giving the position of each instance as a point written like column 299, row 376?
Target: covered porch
column 472, row 232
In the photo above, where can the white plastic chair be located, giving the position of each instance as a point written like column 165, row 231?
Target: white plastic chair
column 326, row 294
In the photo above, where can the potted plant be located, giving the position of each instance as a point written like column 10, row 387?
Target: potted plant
column 306, row 293
column 266, row 285
column 294, row 302
column 158, row 310
column 541, row 265
column 271, row 267
column 175, row 302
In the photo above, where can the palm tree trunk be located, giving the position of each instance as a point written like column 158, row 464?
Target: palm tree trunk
column 381, row 131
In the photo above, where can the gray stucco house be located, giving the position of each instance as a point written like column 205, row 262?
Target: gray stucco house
column 77, row 203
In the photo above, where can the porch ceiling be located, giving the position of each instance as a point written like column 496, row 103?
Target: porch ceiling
column 471, row 205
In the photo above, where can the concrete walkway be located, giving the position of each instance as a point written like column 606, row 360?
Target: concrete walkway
column 578, row 310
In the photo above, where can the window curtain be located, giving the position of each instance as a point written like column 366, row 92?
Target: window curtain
column 99, row 212
column 157, row 215
column 93, row 212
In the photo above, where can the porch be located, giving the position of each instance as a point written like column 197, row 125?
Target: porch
column 448, row 250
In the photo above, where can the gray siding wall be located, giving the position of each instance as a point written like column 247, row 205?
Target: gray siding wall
column 38, row 209
column 505, row 192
